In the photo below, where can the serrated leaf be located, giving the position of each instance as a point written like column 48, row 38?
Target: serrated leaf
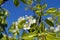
column 51, row 10
column 50, row 23
column 16, row 3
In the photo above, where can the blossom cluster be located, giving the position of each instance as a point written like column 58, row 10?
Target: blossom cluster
column 28, row 21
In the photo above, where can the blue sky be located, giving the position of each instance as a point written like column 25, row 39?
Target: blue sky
column 15, row 13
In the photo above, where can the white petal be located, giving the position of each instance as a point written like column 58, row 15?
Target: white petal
column 26, row 28
column 34, row 21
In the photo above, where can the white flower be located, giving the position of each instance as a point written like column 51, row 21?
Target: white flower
column 34, row 20
column 31, row 21
column 26, row 26
column 52, row 28
column 21, row 18
column 56, row 29
column 28, row 17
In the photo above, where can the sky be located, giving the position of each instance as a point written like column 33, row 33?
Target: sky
column 16, row 12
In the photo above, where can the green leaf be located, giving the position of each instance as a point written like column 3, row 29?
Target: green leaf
column 50, row 23
column 38, row 6
column 57, row 38
column 1, row 1
column 16, row 3
column 29, row 36
column 57, row 14
column 1, row 35
column 51, row 10
column 24, row 1
column 50, row 37
column 29, row 2
column 38, row 12
column 44, row 6
column 42, row 27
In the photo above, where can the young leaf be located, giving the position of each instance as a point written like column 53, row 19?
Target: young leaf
column 49, row 22
column 16, row 3
column 51, row 10
column 44, row 6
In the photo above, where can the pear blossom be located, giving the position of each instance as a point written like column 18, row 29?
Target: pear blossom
column 21, row 18
column 26, row 26
column 31, row 21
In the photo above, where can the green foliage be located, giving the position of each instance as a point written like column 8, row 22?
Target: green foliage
column 1, row 35
column 16, row 3
column 35, row 31
column 49, row 22
column 51, row 10
column 24, row 1
column 42, row 27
